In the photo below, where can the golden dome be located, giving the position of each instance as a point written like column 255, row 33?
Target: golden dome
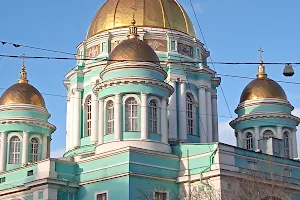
column 133, row 49
column 262, row 87
column 22, row 93
column 149, row 13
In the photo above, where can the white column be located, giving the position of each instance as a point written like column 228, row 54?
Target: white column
column 209, row 115
column 144, row 116
column 256, row 137
column 279, row 132
column 25, row 148
column 101, row 122
column 164, row 119
column 77, row 118
column 294, row 143
column 118, row 117
column 214, row 107
column 71, row 122
column 202, row 113
column 95, row 114
column 238, row 135
column 45, row 147
column 68, row 125
column 3, row 151
column 182, row 112
column 172, row 113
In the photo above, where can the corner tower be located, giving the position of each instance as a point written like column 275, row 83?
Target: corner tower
column 25, row 130
column 264, row 121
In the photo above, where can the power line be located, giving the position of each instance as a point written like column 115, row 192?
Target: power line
column 171, row 62
column 36, row 48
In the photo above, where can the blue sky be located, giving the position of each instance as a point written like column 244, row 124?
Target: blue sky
column 234, row 31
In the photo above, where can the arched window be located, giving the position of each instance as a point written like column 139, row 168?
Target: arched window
column 286, row 145
column 153, row 117
column 88, row 116
column 14, row 150
column 131, row 115
column 249, row 141
column 268, row 134
column 190, row 114
column 34, row 150
column 110, row 117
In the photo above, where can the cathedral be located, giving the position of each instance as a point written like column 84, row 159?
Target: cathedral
column 142, row 121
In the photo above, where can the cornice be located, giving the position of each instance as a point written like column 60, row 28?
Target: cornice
column 263, row 101
column 27, row 120
column 24, row 107
column 133, row 80
column 255, row 116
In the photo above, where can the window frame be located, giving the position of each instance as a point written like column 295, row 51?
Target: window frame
column 268, row 136
column 190, row 120
column 34, row 157
column 153, row 117
column 249, row 141
column 14, row 156
column 88, row 116
column 131, row 121
column 101, row 193
column 161, row 191
column 252, row 163
column 286, row 144
column 110, row 123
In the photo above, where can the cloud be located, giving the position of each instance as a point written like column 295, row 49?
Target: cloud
column 226, row 133
column 58, row 153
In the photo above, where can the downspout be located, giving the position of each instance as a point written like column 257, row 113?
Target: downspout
column 211, row 158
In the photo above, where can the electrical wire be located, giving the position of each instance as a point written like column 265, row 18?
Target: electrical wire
column 36, row 48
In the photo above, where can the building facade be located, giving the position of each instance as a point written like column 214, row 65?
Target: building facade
column 142, row 120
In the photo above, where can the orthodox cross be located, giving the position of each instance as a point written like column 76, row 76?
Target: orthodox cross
column 261, row 52
column 23, row 58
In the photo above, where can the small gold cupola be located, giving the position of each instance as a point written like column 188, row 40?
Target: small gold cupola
column 133, row 30
column 23, row 73
column 261, row 67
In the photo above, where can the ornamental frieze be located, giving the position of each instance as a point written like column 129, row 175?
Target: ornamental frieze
column 93, row 51
column 157, row 45
column 185, row 49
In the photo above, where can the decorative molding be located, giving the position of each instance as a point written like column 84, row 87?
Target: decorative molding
column 263, row 101
column 13, row 134
column 127, row 96
column 158, row 101
column 36, row 136
column 24, row 107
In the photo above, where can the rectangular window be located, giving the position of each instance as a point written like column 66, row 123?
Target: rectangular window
column 173, row 45
column 252, row 165
column 103, row 47
column 30, row 173
column 2, row 180
column 198, row 53
column 41, row 195
column 160, row 196
column 102, row 196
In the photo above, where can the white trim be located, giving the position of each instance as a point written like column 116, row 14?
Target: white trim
column 194, row 95
column 36, row 136
column 102, row 192
column 194, row 113
column 109, row 99
column 246, row 131
column 14, row 134
column 158, row 101
column 287, row 130
column 85, row 98
column 127, row 96
column 267, row 129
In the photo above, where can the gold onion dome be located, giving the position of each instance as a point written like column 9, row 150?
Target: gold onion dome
column 133, row 49
column 262, row 87
column 22, row 93
column 167, row 14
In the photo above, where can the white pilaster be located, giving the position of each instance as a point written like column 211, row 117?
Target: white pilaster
column 77, row 118
column 238, row 136
column 182, row 112
column 172, row 113
column 45, row 147
column 209, row 115
column 294, row 143
column 164, row 119
column 71, row 122
column 214, row 107
column 144, row 116
column 3, row 151
column 202, row 113
column 101, row 122
column 279, row 132
column 25, row 148
column 68, row 124
column 95, row 114
column 118, row 117
column 256, row 136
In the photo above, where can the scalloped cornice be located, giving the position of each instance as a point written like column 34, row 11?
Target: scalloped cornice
column 24, row 107
column 255, row 116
